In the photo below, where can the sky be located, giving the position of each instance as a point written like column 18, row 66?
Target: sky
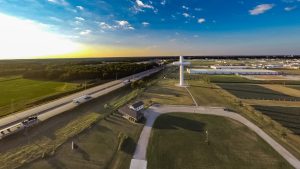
column 116, row 28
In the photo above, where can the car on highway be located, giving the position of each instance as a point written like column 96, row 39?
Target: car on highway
column 82, row 99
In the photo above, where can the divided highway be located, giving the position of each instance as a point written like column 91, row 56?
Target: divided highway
column 61, row 105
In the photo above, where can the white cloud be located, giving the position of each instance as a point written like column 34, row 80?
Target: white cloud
column 185, row 7
column 290, row 8
column 260, row 9
column 145, row 23
column 59, row 2
column 125, row 25
column 198, row 9
column 106, row 26
column 186, row 15
column 79, row 18
column 201, row 20
column 85, row 32
column 142, row 5
column 80, row 8
column 163, row 2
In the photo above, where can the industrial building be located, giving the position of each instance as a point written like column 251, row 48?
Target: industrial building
column 231, row 67
column 232, row 71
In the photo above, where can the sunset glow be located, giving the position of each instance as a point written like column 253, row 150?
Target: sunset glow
column 27, row 39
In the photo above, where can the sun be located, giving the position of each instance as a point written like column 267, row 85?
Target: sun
column 23, row 39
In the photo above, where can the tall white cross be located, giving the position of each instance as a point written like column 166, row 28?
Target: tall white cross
column 181, row 65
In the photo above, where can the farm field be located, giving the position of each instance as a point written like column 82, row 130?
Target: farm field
column 294, row 86
column 231, row 144
column 283, row 89
column 252, row 91
column 287, row 116
column 19, row 93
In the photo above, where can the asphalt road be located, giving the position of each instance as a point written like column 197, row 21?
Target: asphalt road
column 139, row 158
column 61, row 105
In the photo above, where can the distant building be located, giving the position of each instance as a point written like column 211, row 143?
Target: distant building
column 231, row 67
column 232, row 71
column 132, row 112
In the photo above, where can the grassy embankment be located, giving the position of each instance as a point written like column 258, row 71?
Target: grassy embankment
column 231, row 144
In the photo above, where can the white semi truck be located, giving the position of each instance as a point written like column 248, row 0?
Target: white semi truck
column 30, row 121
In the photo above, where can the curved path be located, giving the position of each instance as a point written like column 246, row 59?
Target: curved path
column 139, row 158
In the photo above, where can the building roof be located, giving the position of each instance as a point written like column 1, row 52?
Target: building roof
column 137, row 104
column 126, row 110
column 233, row 71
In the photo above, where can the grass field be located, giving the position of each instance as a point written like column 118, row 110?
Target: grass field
column 252, row 91
column 165, row 91
column 205, row 94
column 18, row 93
column 178, row 142
column 97, row 144
column 287, row 116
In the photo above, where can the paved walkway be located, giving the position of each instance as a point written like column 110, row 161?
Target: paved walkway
column 139, row 159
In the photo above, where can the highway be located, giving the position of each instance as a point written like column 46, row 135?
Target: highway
column 61, row 105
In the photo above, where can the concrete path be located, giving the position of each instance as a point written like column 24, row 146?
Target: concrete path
column 154, row 111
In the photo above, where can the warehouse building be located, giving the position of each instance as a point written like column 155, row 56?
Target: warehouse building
column 232, row 71
column 231, row 67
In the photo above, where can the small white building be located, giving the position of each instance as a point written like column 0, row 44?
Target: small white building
column 232, row 71
column 137, row 106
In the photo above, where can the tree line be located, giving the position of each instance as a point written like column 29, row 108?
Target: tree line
column 75, row 72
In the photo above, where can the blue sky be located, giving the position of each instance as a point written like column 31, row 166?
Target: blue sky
column 167, row 27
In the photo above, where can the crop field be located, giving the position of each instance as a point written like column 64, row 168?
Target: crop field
column 19, row 93
column 295, row 87
column 287, row 116
column 283, row 89
column 252, row 91
column 231, row 144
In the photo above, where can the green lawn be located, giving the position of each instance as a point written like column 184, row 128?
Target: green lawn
column 206, row 95
column 178, row 142
column 19, row 93
column 252, row 91
column 287, row 116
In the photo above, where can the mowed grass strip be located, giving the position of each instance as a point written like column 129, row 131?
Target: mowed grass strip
column 205, row 94
column 294, row 86
column 283, row 89
column 165, row 91
column 178, row 141
column 252, row 91
column 17, row 93
column 287, row 116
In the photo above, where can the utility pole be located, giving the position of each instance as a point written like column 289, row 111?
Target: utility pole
column 207, row 137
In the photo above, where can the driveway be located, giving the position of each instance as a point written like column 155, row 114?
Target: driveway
column 139, row 160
